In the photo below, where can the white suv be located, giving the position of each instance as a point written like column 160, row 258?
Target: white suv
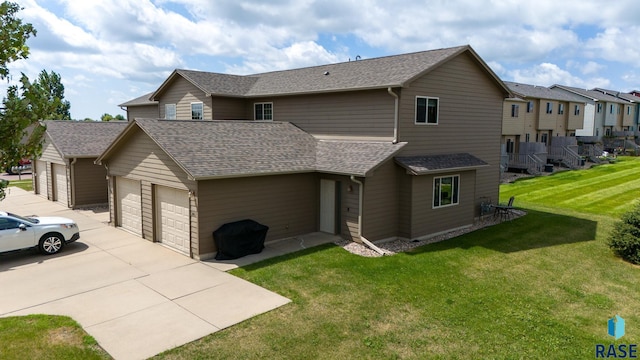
column 49, row 234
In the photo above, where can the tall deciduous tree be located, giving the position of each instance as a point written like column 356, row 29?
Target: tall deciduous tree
column 20, row 130
column 13, row 36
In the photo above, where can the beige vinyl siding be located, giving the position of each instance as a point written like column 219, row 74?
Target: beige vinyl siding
column 425, row 220
column 470, row 119
column 89, row 183
column 50, row 153
column 548, row 121
column 226, row 108
column 182, row 93
column 143, row 112
column 288, row 204
column 513, row 125
column 405, row 204
column 380, row 220
column 531, row 121
column 627, row 119
column 142, row 159
column 574, row 121
column 362, row 114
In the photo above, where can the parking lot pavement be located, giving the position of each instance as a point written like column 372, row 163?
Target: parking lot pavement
column 135, row 297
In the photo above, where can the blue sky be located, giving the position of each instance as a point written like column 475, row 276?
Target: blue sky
column 111, row 51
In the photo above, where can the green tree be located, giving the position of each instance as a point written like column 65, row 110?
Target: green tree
column 24, row 106
column 106, row 117
column 119, row 117
column 13, row 36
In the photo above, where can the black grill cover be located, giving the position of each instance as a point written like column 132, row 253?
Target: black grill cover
column 240, row 238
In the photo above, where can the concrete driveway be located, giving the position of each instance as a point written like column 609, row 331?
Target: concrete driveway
column 136, row 298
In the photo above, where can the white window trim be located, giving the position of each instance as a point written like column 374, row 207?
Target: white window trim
column 191, row 109
column 262, row 103
column 549, row 108
column 175, row 111
column 415, row 109
column 433, row 185
column 515, row 110
column 561, row 109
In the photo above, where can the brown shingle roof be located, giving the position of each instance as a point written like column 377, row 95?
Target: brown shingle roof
column 207, row 149
column 82, row 139
column 140, row 101
column 375, row 73
column 590, row 94
column 541, row 92
column 419, row 165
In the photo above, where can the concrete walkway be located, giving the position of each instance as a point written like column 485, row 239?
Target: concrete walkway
column 136, row 298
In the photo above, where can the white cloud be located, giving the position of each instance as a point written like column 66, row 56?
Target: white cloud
column 547, row 74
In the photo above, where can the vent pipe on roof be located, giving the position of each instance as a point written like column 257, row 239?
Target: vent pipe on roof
column 395, row 116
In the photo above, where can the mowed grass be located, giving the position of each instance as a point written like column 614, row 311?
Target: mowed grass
column 22, row 184
column 604, row 189
column 539, row 287
column 46, row 337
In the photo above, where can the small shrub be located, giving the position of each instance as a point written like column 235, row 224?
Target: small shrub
column 3, row 186
column 625, row 237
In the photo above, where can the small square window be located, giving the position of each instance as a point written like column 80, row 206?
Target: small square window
column 197, row 111
column 515, row 109
column 426, row 110
column 263, row 111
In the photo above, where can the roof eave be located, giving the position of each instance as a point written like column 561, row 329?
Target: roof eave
column 440, row 171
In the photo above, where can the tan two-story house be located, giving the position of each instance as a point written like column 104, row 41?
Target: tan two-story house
column 404, row 146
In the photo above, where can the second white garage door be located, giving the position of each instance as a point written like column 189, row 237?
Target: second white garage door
column 60, row 184
column 41, row 175
column 172, row 218
column 129, row 205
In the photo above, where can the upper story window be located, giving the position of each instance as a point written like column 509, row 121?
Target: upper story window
column 576, row 110
column 628, row 110
column 611, row 109
column 527, row 138
column 549, row 108
column 530, row 106
column 197, row 111
column 515, row 109
column 170, row 111
column 263, row 111
column 560, row 109
column 619, row 109
column 445, row 191
column 599, row 107
column 427, row 110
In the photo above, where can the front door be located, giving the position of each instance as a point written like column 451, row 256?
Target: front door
column 328, row 206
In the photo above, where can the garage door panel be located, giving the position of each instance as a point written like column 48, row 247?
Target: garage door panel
column 60, row 183
column 172, row 217
column 129, row 205
column 41, row 175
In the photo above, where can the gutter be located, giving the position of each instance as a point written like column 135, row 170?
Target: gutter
column 395, row 116
column 362, row 238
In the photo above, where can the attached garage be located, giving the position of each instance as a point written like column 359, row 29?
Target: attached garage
column 41, row 178
column 129, row 205
column 66, row 172
column 59, row 173
column 172, row 218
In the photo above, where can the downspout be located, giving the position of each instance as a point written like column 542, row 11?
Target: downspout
column 395, row 115
column 362, row 238
column 73, row 183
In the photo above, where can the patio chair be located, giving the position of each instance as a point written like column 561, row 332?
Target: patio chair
column 504, row 212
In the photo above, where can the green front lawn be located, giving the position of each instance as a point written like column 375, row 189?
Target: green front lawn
column 542, row 286
column 22, row 184
column 46, row 337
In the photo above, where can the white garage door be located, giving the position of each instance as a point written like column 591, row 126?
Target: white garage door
column 41, row 177
column 172, row 218
column 60, row 184
column 128, row 205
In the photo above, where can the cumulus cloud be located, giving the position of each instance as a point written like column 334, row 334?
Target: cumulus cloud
column 547, row 74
